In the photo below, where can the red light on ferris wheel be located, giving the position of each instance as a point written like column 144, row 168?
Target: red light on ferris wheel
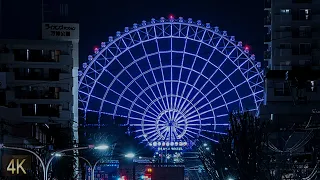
column 171, row 16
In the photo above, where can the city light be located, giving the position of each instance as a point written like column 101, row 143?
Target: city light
column 101, row 147
column 57, row 154
column 129, row 155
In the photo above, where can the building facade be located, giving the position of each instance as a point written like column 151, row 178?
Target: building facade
column 36, row 92
column 292, row 94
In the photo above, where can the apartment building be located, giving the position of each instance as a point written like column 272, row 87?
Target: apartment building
column 292, row 94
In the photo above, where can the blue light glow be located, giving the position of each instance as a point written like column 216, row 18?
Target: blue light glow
column 175, row 80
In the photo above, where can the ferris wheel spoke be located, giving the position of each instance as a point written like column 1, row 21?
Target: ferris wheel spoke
column 209, row 138
column 214, row 73
column 225, row 76
column 153, row 132
column 192, row 67
column 116, row 79
column 147, row 57
column 202, row 70
column 171, row 71
column 120, row 106
column 132, row 78
column 160, row 60
column 187, row 131
column 176, row 104
column 215, row 132
column 230, row 102
column 145, row 129
column 231, row 89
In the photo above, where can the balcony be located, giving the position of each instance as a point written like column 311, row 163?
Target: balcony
column 36, row 95
column 36, row 74
column 267, row 21
column 267, row 38
column 285, row 52
column 301, row 16
column 267, row 54
column 40, row 110
column 301, row 34
column 6, row 57
column 25, row 55
column 267, row 5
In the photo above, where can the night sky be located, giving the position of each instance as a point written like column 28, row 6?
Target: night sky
column 101, row 18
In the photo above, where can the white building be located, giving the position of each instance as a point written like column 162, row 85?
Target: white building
column 292, row 92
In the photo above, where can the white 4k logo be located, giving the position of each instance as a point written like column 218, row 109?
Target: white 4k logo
column 16, row 169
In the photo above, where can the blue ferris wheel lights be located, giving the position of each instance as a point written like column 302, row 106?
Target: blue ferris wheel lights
column 174, row 80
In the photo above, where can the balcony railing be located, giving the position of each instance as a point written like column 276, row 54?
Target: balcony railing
column 267, row 21
column 267, row 55
column 267, row 4
column 267, row 38
column 301, row 34
column 37, row 76
column 37, row 95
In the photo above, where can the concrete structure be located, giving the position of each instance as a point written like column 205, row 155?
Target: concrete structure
column 38, row 89
column 292, row 82
column 38, row 81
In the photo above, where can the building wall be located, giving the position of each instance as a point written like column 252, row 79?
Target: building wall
column 292, row 91
column 39, row 81
column 292, row 40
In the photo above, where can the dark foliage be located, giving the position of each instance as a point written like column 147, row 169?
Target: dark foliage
column 239, row 154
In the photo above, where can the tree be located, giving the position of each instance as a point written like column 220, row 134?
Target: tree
column 239, row 154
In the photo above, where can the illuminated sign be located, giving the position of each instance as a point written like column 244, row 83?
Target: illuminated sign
column 60, row 31
column 16, row 165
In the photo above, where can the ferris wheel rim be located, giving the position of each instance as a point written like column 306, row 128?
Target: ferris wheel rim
column 159, row 23
column 156, row 38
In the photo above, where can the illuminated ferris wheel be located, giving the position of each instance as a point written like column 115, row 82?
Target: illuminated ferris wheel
column 175, row 80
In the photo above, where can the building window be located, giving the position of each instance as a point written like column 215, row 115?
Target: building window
column 305, row 48
column 285, row 28
column 285, row 11
column 305, row 14
column 285, row 46
column 281, row 90
column 304, row 31
column 304, row 62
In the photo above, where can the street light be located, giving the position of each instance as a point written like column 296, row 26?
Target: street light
column 59, row 154
column 101, row 147
column 130, row 155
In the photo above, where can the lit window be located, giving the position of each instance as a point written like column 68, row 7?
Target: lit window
column 285, row 11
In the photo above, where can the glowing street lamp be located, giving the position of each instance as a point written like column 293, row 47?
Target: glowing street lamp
column 101, row 147
column 129, row 155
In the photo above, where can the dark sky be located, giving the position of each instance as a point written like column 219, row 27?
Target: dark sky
column 101, row 18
